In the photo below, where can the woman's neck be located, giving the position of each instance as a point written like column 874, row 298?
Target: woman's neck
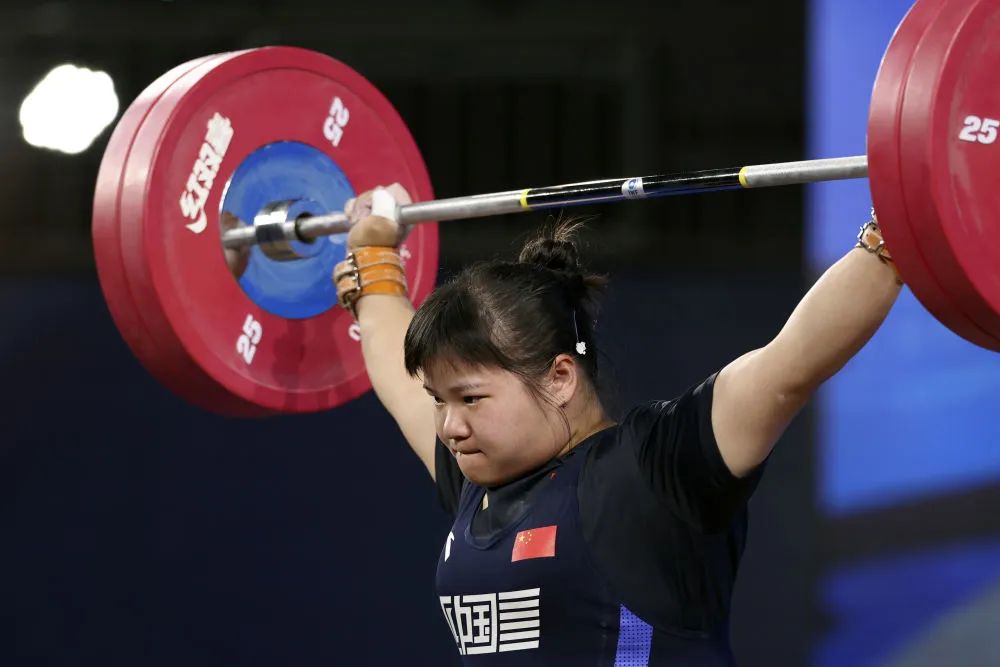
column 585, row 424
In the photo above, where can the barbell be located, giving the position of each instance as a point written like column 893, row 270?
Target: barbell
column 208, row 157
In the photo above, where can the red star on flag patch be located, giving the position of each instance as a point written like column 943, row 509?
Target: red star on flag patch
column 534, row 543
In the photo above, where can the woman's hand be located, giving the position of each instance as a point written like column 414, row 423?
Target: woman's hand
column 375, row 217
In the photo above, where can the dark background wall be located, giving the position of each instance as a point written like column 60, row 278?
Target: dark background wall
column 144, row 531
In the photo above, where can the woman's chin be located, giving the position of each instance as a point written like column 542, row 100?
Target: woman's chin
column 477, row 469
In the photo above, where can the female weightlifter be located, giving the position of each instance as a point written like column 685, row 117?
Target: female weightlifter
column 578, row 539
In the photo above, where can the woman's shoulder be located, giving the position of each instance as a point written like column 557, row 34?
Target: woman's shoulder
column 643, row 416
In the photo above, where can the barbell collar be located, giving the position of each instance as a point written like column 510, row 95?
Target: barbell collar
column 274, row 231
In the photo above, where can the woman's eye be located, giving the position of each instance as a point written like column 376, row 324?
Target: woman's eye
column 437, row 401
column 471, row 400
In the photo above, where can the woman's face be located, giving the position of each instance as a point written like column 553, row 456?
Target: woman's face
column 496, row 428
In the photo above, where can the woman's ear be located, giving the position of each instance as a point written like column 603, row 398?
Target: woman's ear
column 563, row 379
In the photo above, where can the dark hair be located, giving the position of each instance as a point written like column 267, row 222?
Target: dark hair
column 518, row 316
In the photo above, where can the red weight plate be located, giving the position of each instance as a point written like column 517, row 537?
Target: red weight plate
column 884, row 168
column 173, row 367
column 107, row 246
column 949, row 123
column 176, row 267
column 107, row 250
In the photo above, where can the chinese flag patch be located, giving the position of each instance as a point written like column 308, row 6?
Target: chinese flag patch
column 534, row 543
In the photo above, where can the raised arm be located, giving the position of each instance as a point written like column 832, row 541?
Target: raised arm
column 758, row 394
column 383, row 320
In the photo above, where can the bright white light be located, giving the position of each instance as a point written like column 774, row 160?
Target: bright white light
column 68, row 109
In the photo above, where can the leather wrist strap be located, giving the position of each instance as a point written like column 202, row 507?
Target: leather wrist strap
column 369, row 270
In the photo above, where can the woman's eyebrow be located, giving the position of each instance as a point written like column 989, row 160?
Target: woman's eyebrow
column 456, row 388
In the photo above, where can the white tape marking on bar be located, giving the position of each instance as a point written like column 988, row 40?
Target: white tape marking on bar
column 632, row 189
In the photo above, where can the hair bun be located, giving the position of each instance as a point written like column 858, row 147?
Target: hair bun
column 554, row 247
column 558, row 255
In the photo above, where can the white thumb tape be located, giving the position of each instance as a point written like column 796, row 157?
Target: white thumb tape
column 384, row 204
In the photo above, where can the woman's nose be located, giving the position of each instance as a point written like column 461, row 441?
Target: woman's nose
column 455, row 427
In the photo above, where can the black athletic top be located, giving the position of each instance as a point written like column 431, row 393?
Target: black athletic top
column 623, row 552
